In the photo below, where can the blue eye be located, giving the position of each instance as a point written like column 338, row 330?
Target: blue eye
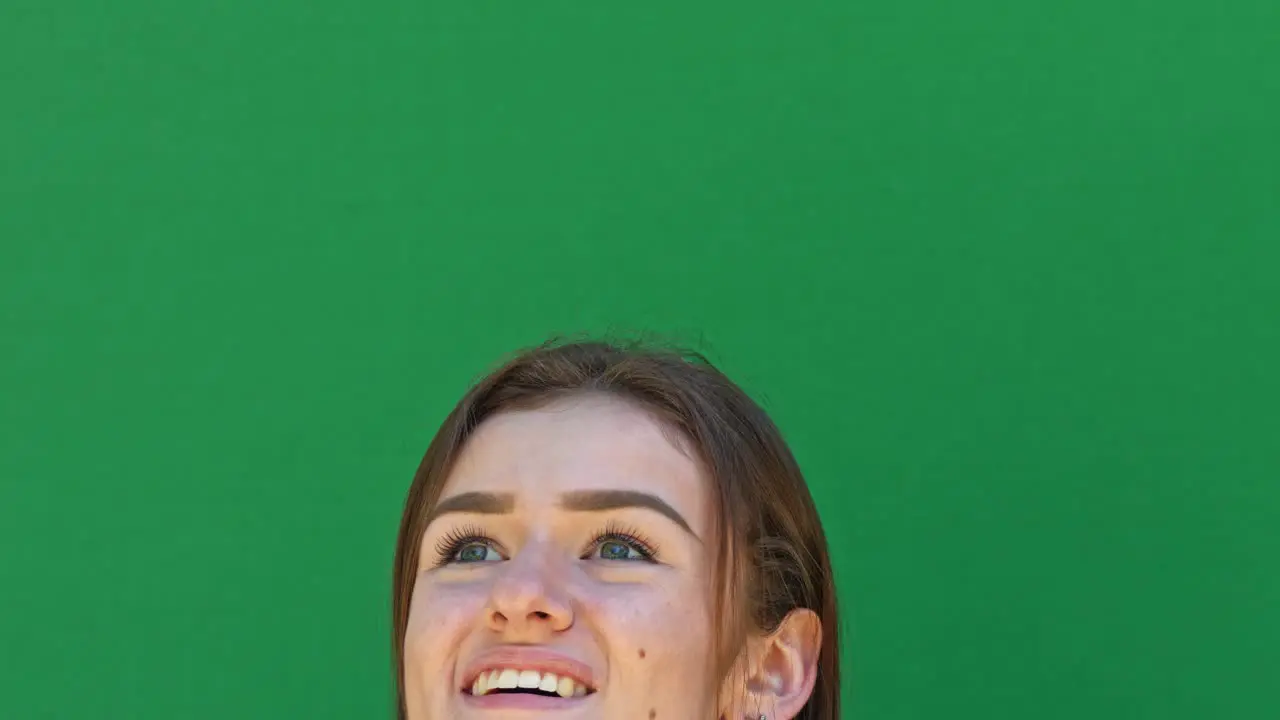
column 615, row 549
column 475, row 552
column 472, row 546
column 467, row 545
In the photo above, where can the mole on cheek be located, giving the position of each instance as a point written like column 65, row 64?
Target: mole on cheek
column 653, row 714
column 641, row 653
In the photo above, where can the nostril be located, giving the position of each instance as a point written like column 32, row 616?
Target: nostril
column 542, row 615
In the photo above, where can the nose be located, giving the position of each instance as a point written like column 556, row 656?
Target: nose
column 527, row 602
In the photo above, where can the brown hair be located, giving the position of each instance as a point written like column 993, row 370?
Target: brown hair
column 774, row 547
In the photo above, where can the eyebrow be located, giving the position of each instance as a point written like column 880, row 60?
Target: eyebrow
column 480, row 503
column 485, row 503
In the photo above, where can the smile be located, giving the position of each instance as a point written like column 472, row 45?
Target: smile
column 511, row 680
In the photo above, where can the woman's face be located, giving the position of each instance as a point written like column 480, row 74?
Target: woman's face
column 564, row 573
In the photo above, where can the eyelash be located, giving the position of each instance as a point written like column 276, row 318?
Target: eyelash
column 629, row 535
column 452, row 542
column 455, row 540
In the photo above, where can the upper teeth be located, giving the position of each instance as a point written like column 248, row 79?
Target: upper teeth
column 532, row 679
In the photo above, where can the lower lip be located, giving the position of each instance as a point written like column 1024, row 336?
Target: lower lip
column 521, row 701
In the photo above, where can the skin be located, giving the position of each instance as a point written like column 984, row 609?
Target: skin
column 537, row 573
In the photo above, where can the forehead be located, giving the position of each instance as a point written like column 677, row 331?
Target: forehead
column 579, row 443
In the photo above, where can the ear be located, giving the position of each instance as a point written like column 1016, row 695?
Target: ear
column 782, row 670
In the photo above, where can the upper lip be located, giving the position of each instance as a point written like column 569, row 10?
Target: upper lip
column 528, row 658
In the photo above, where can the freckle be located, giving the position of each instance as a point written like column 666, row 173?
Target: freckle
column 641, row 653
column 653, row 714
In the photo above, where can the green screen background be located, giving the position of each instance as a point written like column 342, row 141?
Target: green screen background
column 1004, row 272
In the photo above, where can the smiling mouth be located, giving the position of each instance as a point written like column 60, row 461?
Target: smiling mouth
column 515, row 681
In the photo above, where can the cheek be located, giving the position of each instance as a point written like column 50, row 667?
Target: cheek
column 657, row 638
column 440, row 618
